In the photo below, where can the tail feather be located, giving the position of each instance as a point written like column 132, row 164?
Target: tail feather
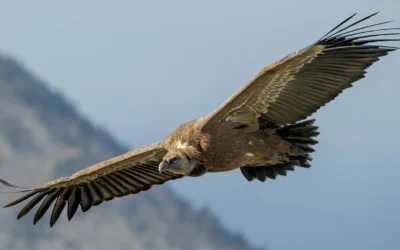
column 301, row 135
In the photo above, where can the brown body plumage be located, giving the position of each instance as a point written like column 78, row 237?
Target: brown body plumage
column 258, row 129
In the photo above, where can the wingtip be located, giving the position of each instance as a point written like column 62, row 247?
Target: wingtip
column 35, row 220
column 346, row 20
column 7, row 184
column 373, row 14
column 351, row 16
column 69, row 215
column 6, row 206
column 9, row 204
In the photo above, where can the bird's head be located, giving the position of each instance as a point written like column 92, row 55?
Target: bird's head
column 177, row 162
column 187, row 161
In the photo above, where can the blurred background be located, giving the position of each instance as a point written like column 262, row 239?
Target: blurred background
column 86, row 80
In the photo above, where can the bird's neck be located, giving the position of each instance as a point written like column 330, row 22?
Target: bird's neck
column 198, row 170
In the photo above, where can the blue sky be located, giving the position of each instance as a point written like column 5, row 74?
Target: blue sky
column 139, row 69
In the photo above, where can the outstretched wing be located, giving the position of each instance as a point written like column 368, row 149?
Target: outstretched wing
column 126, row 174
column 296, row 86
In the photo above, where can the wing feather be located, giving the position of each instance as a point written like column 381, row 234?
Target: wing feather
column 130, row 173
column 296, row 86
column 73, row 202
column 59, row 206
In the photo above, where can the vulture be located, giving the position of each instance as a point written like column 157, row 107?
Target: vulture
column 263, row 129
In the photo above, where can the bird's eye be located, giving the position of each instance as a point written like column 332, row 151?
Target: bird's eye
column 173, row 160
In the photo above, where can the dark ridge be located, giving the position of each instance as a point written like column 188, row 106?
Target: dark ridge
column 50, row 105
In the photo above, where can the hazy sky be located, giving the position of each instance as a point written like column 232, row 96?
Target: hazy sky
column 140, row 68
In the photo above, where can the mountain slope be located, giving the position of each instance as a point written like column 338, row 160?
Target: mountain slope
column 42, row 137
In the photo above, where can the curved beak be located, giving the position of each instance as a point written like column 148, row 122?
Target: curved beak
column 162, row 166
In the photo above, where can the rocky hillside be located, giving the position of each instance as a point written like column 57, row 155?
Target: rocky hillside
column 43, row 137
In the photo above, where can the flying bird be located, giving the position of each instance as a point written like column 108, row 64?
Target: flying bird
column 262, row 129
